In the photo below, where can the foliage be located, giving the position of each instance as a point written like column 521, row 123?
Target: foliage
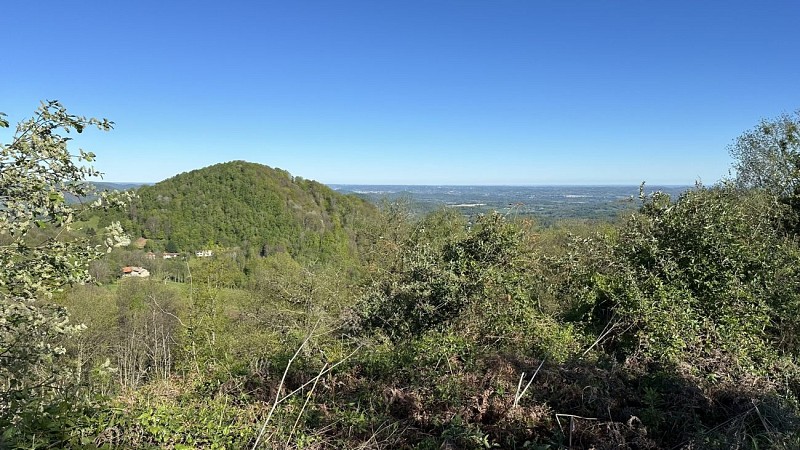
column 473, row 279
column 39, row 257
column 154, row 418
column 436, row 279
column 684, row 280
column 768, row 156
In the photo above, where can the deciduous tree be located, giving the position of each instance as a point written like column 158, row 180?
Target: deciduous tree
column 36, row 171
column 768, row 156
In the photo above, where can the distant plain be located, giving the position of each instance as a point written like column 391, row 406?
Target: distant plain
column 547, row 204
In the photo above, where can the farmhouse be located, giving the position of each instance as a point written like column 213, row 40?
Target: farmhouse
column 135, row 271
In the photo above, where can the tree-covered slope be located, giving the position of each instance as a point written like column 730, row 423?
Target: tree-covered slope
column 247, row 205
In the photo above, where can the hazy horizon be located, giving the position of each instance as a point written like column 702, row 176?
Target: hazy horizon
column 334, row 185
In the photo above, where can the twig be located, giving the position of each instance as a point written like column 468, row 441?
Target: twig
column 308, row 398
column 606, row 331
column 375, row 432
column 764, row 421
column 518, row 395
column 280, row 386
column 710, row 430
column 153, row 298
column 324, row 372
column 572, row 418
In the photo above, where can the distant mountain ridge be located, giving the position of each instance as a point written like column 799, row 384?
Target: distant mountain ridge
column 247, row 205
column 117, row 186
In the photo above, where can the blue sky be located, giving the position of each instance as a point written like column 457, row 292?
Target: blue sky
column 409, row 92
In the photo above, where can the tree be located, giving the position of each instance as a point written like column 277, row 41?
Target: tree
column 147, row 327
column 473, row 275
column 171, row 247
column 39, row 256
column 708, row 281
column 768, row 156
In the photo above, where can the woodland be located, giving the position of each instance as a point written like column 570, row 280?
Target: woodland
column 323, row 321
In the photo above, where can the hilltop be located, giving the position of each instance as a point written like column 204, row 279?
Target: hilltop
column 252, row 206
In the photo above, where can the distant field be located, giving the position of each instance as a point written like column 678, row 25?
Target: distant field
column 546, row 203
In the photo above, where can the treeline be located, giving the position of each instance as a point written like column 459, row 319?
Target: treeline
column 673, row 327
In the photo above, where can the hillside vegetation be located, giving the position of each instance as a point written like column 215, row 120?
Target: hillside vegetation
column 251, row 206
column 673, row 327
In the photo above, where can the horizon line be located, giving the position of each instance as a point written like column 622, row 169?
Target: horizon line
column 453, row 184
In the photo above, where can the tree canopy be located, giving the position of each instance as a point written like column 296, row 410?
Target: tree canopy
column 247, row 205
column 768, row 156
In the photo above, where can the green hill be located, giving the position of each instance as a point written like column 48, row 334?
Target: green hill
column 252, row 206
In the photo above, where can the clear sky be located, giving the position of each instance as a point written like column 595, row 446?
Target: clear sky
column 409, row 92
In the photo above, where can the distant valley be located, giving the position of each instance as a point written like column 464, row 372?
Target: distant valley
column 546, row 203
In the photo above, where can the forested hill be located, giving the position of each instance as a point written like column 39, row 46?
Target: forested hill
column 246, row 205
